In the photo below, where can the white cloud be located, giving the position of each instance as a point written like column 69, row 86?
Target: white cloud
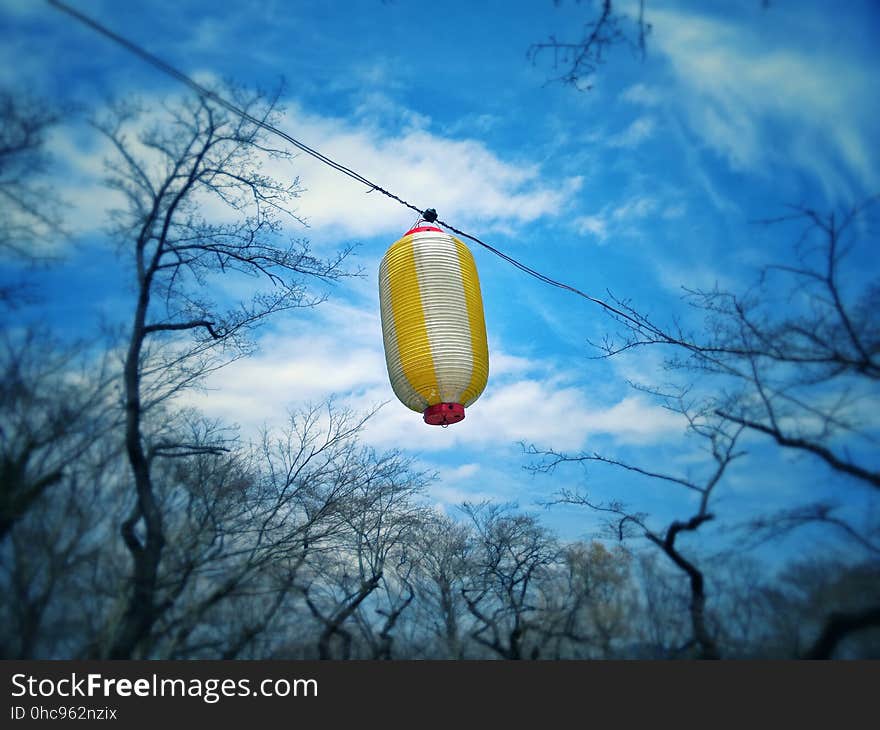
column 462, row 178
column 642, row 95
column 80, row 182
column 617, row 220
column 693, row 274
column 377, row 108
column 506, row 364
column 307, row 357
column 636, row 133
column 638, row 207
column 465, row 471
column 758, row 105
column 449, row 494
column 595, row 225
column 491, row 481
column 546, row 413
column 524, row 401
column 460, row 484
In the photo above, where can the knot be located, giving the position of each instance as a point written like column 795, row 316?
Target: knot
column 430, row 215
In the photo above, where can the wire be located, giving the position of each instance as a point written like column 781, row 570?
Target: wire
column 207, row 93
column 641, row 323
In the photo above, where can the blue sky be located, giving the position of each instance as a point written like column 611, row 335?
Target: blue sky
column 647, row 182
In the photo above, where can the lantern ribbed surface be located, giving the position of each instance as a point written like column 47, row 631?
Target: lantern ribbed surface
column 432, row 321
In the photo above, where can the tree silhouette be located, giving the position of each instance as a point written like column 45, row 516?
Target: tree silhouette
column 793, row 360
column 168, row 171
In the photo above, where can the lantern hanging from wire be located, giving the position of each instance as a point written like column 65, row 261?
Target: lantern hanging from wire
column 433, row 327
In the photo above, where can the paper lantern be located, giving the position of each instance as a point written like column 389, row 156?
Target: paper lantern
column 433, row 325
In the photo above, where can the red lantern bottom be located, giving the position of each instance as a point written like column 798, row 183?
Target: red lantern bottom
column 444, row 414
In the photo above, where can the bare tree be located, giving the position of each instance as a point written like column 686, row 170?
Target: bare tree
column 802, row 373
column 55, row 403
column 512, row 553
column 795, row 356
column 443, row 547
column 664, row 627
column 721, row 440
column 737, row 584
column 589, row 602
column 794, row 359
column 576, row 58
column 380, row 517
column 816, row 609
column 392, row 599
column 196, row 155
column 575, row 62
column 29, row 208
column 242, row 524
column 59, row 458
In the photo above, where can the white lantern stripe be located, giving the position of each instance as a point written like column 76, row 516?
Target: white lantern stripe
column 442, row 290
column 477, row 324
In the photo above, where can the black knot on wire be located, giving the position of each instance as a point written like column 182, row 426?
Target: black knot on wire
column 430, row 215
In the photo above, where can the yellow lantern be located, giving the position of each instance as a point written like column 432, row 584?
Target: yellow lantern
column 432, row 324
